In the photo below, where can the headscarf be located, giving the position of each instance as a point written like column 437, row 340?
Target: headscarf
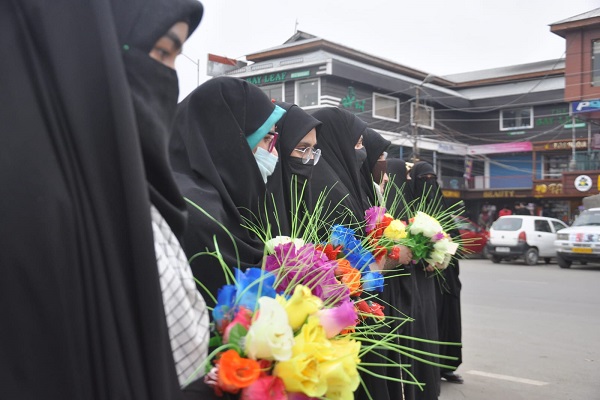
column 372, row 170
column 80, row 282
column 337, row 172
column 215, row 168
column 291, row 176
column 422, row 187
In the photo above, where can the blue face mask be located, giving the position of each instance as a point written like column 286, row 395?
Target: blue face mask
column 266, row 162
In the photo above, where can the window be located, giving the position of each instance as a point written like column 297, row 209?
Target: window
column 555, row 165
column 307, row 93
column 541, row 225
column 421, row 116
column 275, row 92
column 516, row 118
column 596, row 63
column 386, row 107
column 558, row 226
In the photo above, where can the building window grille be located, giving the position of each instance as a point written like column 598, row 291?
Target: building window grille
column 386, row 107
column 275, row 92
column 421, row 116
column 516, row 118
column 307, row 93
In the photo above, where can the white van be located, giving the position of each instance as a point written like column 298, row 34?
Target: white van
column 523, row 236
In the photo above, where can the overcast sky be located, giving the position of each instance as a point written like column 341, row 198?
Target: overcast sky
column 436, row 36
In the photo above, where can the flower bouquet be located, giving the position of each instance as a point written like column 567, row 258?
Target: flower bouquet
column 424, row 235
column 292, row 329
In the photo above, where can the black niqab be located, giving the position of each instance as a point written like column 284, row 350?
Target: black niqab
column 80, row 282
column 216, row 169
column 291, row 175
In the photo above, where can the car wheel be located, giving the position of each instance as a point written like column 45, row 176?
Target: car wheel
column 485, row 253
column 547, row 260
column 495, row 259
column 531, row 256
column 562, row 262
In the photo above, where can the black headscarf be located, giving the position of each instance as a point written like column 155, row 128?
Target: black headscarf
column 375, row 145
column 337, row 172
column 215, row 168
column 423, row 187
column 290, row 178
column 82, row 302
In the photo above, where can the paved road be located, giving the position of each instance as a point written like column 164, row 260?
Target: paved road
column 529, row 333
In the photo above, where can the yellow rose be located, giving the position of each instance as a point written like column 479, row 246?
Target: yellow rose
column 340, row 371
column 312, row 340
column 300, row 306
column 396, row 230
column 301, row 374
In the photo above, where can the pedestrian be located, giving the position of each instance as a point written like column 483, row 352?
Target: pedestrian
column 521, row 209
column 90, row 201
column 424, row 189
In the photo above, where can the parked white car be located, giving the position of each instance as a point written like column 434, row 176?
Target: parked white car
column 523, row 236
column 580, row 242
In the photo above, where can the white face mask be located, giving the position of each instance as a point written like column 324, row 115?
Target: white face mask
column 266, row 162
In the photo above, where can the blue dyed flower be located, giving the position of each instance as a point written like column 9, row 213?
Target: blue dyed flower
column 373, row 282
column 252, row 284
column 224, row 311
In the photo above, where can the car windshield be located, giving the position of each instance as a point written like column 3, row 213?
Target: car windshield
column 588, row 218
column 508, row 224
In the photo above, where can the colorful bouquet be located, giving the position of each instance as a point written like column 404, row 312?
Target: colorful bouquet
column 423, row 235
column 289, row 330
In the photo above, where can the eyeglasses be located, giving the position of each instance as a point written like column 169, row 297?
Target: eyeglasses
column 274, row 136
column 308, row 155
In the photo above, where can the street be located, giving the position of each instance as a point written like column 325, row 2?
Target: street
column 529, row 332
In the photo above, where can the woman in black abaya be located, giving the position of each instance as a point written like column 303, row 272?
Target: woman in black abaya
column 289, row 187
column 401, row 291
column 216, row 130
column 337, row 176
column 424, row 304
column 448, row 286
column 373, row 169
column 83, row 160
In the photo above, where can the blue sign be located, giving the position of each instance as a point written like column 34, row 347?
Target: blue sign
column 578, row 107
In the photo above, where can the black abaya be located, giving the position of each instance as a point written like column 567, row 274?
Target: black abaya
column 336, row 175
column 83, row 312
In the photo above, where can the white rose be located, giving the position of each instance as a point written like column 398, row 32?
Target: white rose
column 270, row 336
column 446, row 246
column 425, row 224
column 278, row 240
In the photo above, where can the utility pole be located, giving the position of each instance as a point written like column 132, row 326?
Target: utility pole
column 417, row 116
column 415, row 128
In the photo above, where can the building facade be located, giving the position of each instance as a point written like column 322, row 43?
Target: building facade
column 520, row 133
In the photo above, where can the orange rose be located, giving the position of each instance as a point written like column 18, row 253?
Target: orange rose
column 235, row 372
column 349, row 276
